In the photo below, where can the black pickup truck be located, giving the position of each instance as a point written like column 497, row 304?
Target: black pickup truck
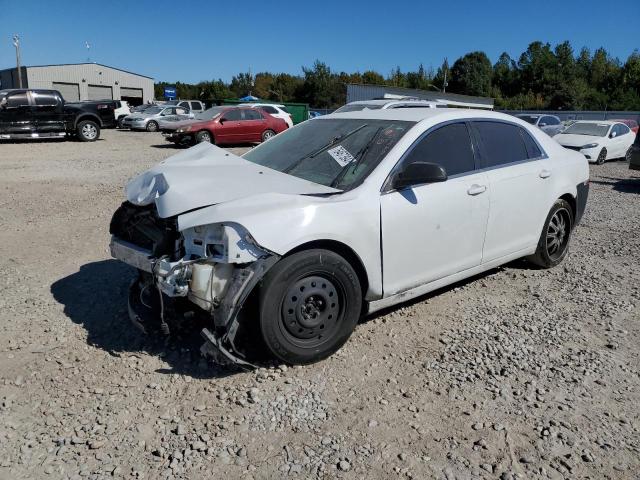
column 36, row 113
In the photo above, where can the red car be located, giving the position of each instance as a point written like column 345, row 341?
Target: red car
column 632, row 124
column 227, row 125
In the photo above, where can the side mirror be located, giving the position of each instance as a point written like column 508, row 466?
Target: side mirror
column 542, row 124
column 613, row 135
column 222, row 120
column 418, row 173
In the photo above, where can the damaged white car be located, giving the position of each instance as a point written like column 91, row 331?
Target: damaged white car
column 289, row 245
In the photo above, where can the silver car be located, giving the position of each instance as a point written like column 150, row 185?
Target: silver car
column 549, row 124
column 151, row 118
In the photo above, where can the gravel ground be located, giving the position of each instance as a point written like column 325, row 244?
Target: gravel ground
column 518, row 373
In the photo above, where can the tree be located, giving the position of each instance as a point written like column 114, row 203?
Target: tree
column 242, row 84
column 471, row 75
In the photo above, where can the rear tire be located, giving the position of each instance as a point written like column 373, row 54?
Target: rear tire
column 602, row 156
column 152, row 126
column 553, row 244
column 88, row 131
column 267, row 134
column 627, row 156
column 310, row 303
column 204, row 136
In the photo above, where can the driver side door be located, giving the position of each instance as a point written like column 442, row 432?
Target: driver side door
column 434, row 230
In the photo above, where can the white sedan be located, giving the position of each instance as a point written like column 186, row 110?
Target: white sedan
column 598, row 141
column 288, row 246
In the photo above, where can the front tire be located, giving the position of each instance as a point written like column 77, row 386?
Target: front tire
column 602, row 156
column 204, row 136
column 152, row 126
column 553, row 244
column 88, row 131
column 627, row 156
column 310, row 303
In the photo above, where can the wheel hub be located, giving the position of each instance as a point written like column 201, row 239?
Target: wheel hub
column 310, row 308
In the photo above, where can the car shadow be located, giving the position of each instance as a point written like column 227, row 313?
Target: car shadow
column 181, row 146
column 96, row 298
column 622, row 185
column 435, row 293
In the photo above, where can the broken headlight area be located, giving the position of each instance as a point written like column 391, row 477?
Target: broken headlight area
column 204, row 273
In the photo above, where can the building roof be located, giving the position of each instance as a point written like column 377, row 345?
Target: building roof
column 83, row 63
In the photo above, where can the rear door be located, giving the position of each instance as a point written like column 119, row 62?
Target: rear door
column 621, row 141
column 253, row 125
column 47, row 113
column 15, row 116
column 520, row 179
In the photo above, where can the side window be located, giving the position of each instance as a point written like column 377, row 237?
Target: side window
column 623, row 129
column 234, row 115
column 449, row 146
column 18, row 100
column 500, row 143
column 169, row 111
column 196, row 106
column 533, row 151
column 269, row 109
column 183, row 104
column 550, row 120
column 252, row 115
column 44, row 99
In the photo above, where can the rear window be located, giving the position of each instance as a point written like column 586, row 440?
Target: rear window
column 500, row 143
column 17, row 100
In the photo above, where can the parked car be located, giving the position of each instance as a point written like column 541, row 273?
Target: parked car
column 150, row 118
column 549, row 124
column 278, row 111
column 194, row 106
column 143, row 107
column 632, row 124
column 598, row 141
column 287, row 245
column 314, row 114
column 230, row 125
column 634, row 154
column 39, row 113
column 387, row 103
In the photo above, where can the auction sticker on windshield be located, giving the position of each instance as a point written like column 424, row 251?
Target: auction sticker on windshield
column 341, row 155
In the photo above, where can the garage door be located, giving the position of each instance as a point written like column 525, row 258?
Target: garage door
column 100, row 92
column 69, row 91
column 131, row 92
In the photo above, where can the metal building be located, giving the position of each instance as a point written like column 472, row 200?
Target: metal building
column 359, row 92
column 83, row 81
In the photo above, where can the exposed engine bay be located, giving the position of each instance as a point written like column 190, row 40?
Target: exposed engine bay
column 213, row 267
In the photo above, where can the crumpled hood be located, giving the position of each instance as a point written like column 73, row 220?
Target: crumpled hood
column 206, row 175
column 573, row 140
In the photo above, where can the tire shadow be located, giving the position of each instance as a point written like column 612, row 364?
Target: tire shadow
column 96, row 298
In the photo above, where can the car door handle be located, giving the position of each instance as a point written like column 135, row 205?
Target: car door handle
column 545, row 173
column 476, row 189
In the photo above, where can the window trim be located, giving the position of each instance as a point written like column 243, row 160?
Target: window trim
column 385, row 188
column 386, row 185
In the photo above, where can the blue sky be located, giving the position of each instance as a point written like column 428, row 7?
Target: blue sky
column 201, row 40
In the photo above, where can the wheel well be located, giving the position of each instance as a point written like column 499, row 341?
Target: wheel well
column 88, row 117
column 345, row 252
column 570, row 199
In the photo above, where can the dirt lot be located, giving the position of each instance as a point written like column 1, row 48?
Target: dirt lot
column 518, row 373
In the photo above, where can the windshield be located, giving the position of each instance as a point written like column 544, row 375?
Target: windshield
column 529, row 118
column 333, row 152
column 357, row 107
column 592, row 129
column 210, row 114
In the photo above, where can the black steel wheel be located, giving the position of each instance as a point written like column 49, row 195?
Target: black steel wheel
column 553, row 244
column 602, row 156
column 310, row 302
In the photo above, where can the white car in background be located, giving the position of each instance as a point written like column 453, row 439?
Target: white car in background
column 337, row 218
column 384, row 104
column 549, row 124
column 598, row 141
column 273, row 109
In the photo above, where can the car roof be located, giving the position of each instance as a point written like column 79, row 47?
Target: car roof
column 419, row 114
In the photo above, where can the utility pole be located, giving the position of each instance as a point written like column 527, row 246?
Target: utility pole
column 16, row 43
column 88, row 47
column 446, row 67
